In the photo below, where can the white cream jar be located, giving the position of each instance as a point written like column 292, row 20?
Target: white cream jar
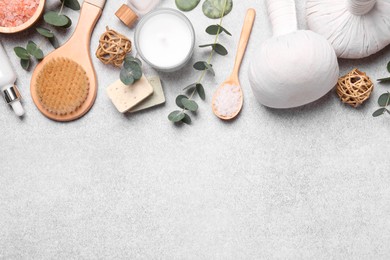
column 165, row 39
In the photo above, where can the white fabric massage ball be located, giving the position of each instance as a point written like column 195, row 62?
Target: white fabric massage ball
column 295, row 67
column 293, row 70
column 355, row 28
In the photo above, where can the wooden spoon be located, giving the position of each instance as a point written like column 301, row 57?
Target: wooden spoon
column 233, row 80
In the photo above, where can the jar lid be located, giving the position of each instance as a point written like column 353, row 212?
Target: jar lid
column 126, row 15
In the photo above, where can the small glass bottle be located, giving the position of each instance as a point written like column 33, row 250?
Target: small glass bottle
column 7, row 80
column 135, row 9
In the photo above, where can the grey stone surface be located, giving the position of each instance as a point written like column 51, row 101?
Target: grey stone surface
column 307, row 183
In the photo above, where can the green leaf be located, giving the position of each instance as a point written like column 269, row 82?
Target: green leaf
column 200, row 90
column 189, row 104
column 130, row 72
column 190, row 87
column 206, row 45
column 130, row 58
column 178, row 100
column 54, row 42
column 72, row 4
column 384, row 100
column 388, row 66
column 56, row 19
column 200, row 65
column 25, row 64
column 22, row 53
column 69, row 24
column 187, row 119
column 210, row 68
column 176, row 116
column 384, row 80
column 218, row 48
column 214, row 8
column 379, row 112
column 45, row 32
column 217, row 29
column 186, row 5
column 38, row 54
column 126, row 77
column 31, row 47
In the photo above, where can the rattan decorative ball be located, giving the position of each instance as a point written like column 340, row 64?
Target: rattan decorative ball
column 354, row 88
column 113, row 48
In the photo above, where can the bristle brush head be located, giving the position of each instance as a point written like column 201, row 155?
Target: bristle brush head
column 62, row 86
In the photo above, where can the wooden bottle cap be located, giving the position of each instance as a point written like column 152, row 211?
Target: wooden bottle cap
column 126, row 15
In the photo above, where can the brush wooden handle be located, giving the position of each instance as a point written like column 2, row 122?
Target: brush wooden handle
column 89, row 16
column 246, row 32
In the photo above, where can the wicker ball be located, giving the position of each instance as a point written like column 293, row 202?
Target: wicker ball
column 354, row 88
column 113, row 48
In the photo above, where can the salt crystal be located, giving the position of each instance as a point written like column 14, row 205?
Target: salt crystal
column 228, row 100
column 16, row 12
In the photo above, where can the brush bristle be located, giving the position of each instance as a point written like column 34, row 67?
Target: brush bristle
column 62, row 86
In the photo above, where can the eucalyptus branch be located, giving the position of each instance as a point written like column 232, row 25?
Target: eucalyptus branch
column 187, row 103
column 384, row 99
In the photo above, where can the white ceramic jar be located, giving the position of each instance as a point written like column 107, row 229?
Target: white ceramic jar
column 165, row 39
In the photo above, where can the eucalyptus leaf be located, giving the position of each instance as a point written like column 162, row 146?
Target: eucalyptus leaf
column 31, row 47
column 45, row 32
column 217, row 47
column 201, row 92
column 388, row 66
column 384, row 100
column 126, row 77
column 22, row 53
column 200, row 65
column 379, row 112
column 69, row 24
column 384, row 80
column 25, row 64
column 217, row 29
column 186, row 5
column 54, row 42
column 130, row 72
column 38, row 54
column 176, row 116
column 72, row 4
column 214, row 9
column 56, row 19
column 178, row 100
column 190, row 87
column 187, row 119
column 130, row 58
column 189, row 104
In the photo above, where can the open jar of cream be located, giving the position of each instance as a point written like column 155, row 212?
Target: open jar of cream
column 165, row 39
column 18, row 15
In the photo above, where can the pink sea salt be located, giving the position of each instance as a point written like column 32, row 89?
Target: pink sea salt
column 16, row 12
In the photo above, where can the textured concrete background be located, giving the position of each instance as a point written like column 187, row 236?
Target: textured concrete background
column 307, row 183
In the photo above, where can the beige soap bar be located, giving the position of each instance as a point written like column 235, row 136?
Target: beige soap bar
column 157, row 98
column 126, row 97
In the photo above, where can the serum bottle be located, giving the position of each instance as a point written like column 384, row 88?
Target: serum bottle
column 7, row 80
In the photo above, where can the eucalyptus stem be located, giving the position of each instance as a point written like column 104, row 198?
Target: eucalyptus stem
column 62, row 7
column 209, row 59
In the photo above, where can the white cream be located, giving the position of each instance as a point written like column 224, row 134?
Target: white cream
column 228, row 101
column 165, row 39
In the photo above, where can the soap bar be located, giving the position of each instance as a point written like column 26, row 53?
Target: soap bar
column 157, row 98
column 126, row 97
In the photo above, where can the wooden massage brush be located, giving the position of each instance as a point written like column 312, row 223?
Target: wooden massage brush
column 64, row 85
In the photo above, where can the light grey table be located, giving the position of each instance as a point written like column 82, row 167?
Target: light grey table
column 307, row 183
